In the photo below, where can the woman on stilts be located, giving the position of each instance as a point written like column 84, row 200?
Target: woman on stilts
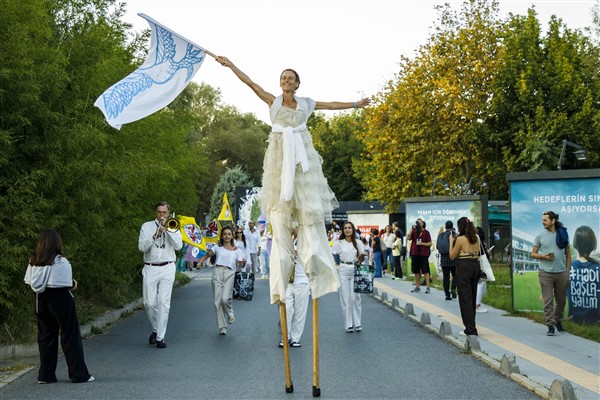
column 295, row 194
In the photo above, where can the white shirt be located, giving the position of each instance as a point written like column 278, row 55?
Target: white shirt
column 346, row 250
column 389, row 239
column 163, row 248
column 227, row 258
column 252, row 240
column 299, row 274
column 240, row 245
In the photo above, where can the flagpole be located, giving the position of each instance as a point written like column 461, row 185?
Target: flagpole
column 148, row 18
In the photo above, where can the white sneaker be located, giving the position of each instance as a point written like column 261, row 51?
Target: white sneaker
column 462, row 333
column 92, row 379
column 481, row 310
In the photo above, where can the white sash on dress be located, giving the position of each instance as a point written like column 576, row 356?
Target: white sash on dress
column 294, row 153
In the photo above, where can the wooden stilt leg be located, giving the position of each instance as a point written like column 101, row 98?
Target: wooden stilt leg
column 316, row 389
column 289, row 386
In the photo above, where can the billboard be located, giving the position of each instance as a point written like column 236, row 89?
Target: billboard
column 575, row 197
column 435, row 211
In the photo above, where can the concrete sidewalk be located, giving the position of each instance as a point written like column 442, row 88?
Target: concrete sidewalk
column 516, row 346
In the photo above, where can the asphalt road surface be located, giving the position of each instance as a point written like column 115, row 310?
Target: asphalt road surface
column 392, row 358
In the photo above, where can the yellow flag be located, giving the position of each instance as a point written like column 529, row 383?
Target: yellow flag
column 225, row 210
column 191, row 232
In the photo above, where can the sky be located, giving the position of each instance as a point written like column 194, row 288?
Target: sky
column 342, row 50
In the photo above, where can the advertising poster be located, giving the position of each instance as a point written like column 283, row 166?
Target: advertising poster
column 435, row 211
column 577, row 203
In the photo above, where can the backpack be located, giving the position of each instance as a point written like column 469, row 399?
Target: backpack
column 443, row 243
column 562, row 237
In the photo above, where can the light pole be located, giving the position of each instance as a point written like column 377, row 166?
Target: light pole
column 580, row 153
column 474, row 180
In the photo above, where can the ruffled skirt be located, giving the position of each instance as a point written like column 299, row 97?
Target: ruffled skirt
column 313, row 200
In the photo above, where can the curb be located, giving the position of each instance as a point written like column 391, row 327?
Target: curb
column 560, row 389
column 14, row 351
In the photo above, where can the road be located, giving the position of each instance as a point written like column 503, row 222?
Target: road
column 393, row 358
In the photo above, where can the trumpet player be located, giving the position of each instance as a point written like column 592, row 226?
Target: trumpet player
column 158, row 245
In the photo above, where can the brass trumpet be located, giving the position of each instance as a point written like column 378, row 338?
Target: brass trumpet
column 172, row 224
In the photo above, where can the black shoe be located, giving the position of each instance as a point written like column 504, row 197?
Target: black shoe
column 161, row 344
column 550, row 330
column 448, row 297
column 453, row 295
column 152, row 338
column 560, row 328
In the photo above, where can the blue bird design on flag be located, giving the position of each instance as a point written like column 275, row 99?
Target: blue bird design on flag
column 158, row 75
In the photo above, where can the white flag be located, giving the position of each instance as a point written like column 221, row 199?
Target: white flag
column 171, row 63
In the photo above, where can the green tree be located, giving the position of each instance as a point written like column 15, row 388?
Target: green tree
column 547, row 89
column 430, row 120
column 231, row 179
column 336, row 140
column 63, row 167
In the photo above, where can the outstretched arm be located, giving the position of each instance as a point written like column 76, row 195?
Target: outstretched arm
column 260, row 92
column 338, row 105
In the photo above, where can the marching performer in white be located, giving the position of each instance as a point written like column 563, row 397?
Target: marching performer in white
column 158, row 245
column 296, row 304
column 351, row 251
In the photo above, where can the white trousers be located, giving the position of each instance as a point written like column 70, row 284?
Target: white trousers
column 350, row 301
column 157, row 289
column 255, row 263
column 222, row 286
column 481, row 289
column 296, row 306
column 313, row 250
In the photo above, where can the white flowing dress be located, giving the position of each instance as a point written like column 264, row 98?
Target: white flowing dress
column 309, row 206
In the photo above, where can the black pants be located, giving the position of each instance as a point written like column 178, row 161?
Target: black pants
column 467, row 275
column 397, row 267
column 56, row 315
column 448, row 287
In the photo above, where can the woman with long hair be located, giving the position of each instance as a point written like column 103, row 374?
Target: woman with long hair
column 50, row 276
column 375, row 245
column 240, row 242
column 227, row 258
column 388, row 238
column 465, row 247
column 351, row 251
column 396, row 249
column 482, row 284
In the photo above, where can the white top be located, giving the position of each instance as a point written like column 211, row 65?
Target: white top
column 346, row 250
column 161, row 249
column 389, row 239
column 252, row 240
column 57, row 275
column 299, row 274
column 240, row 245
column 227, row 258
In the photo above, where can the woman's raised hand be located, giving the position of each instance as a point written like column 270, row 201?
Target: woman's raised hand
column 224, row 61
column 363, row 102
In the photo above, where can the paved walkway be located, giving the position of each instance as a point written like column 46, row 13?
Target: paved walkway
column 541, row 358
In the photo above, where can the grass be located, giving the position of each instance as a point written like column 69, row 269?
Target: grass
column 499, row 295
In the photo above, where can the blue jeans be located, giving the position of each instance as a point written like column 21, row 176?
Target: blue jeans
column 378, row 267
column 388, row 257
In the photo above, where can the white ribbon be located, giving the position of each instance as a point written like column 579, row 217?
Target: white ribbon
column 293, row 153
